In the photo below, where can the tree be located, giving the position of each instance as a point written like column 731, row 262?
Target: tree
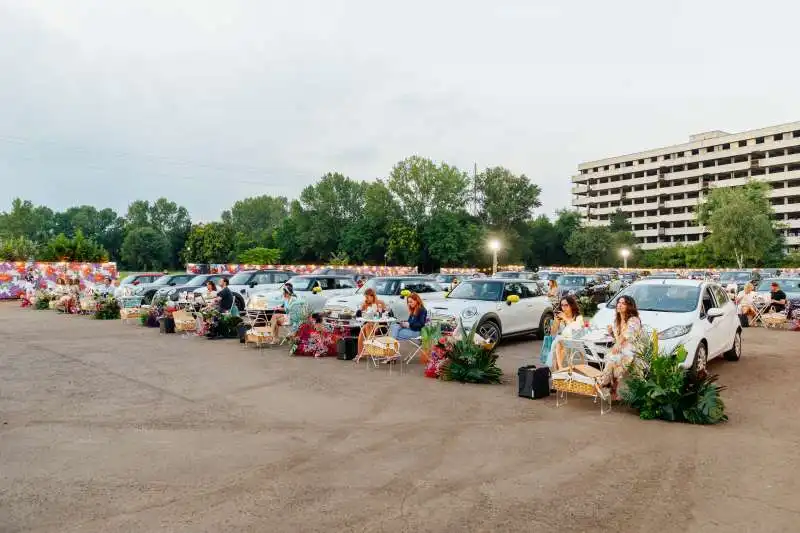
column 78, row 248
column 506, row 199
column 145, row 248
column 259, row 256
column 454, row 239
column 256, row 220
column 166, row 217
column 422, row 187
column 542, row 245
column 209, row 243
column 567, row 223
column 618, row 222
column 103, row 226
column 589, row 245
column 366, row 240
column 27, row 220
column 740, row 220
column 18, row 249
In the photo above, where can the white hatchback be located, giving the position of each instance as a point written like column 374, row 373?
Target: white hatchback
column 390, row 290
column 498, row 308
column 315, row 290
column 694, row 313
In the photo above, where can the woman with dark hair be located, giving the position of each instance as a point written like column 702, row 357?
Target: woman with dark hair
column 417, row 316
column 371, row 304
column 568, row 321
column 626, row 330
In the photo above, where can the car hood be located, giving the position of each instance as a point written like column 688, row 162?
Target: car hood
column 351, row 302
column 454, row 306
column 246, row 289
column 658, row 320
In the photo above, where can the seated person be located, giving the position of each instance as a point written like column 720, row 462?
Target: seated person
column 292, row 314
column 626, row 329
column 417, row 316
column 225, row 296
column 746, row 303
column 777, row 303
column 568, row 321
column 211, row 300
column 370, row 304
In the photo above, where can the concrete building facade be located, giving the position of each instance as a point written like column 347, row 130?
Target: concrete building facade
column 660, row 190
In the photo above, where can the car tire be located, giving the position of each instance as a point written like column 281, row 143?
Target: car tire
column 544, row 324
column 735, row 353
column 147, row 298
column 487, row 326
column 239, row 301
column 700, row 362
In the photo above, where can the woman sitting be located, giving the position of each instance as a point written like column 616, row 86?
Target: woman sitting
column 370, row 305
column 210, row 299
column 70, row 293
column 417, row 316
column 626, row 330
column 552, row 289
column 746, row 303
column 293, row 312
column 568, row 322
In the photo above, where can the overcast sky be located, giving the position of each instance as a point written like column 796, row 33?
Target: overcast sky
column 206, row 102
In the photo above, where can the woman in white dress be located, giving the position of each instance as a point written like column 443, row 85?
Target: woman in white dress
column 568, row 321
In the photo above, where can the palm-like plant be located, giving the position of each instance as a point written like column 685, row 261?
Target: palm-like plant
column 472, row 363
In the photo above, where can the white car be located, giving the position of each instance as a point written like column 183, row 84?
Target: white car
column 389, row 290
column 695, row 313
column 498, row 308
column 247, row 281
column 329, row 286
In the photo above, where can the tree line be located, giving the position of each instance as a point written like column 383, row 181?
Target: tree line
column 424, row 213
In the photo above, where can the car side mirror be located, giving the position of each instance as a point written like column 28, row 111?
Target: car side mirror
column 714, row 312
column 172, row 283
column 252, row 284
column 601, row 305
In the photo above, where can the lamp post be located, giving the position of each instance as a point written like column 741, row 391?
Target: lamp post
column 625, row 253
column 494, row 246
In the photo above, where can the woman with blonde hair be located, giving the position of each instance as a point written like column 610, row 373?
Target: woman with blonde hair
column 746, row 303
column 371, row 304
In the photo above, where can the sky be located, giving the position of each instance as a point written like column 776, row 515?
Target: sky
column 207, row 102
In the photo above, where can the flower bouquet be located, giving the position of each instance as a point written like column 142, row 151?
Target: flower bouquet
column 107, row 308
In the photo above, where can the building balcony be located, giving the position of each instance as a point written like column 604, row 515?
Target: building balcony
column 580, row 189
column 792, row 241
column 786, row 208
column 785, row 191
column 582, row 200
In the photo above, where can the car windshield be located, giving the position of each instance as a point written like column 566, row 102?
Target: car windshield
column 199, row 281
column 489, row 291
column 784, row 284
column 163, row 280
column 664, row 275
column 128, row 280
column 572, row 281
column 381, row 286
column 241, row 278
column 508, row 275
column 445, row 278
column 302, row 283
column 662, row 297
column 729, row 277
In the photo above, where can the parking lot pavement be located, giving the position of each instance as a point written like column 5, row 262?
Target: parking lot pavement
column 113, row 427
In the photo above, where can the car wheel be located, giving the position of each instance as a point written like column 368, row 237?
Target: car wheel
column 147, row 298
column 735, row 353
column 489, row 330
column 545, row 324
column 240, row 303
column 700, row 358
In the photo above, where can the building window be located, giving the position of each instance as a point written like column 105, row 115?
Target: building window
column 778, row 137
column 666, row 157
column 710, row 149
column 759, row 140
column 641, row 161
column 680, row 154
column 695, row 151
column 726, row 146
column 796, row 133
column 605, row 167
column 743, row 143
column 653, row 159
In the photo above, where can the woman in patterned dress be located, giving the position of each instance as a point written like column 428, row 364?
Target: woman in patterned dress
column 626, row 330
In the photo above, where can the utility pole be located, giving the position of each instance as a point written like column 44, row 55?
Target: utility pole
column 475, row 189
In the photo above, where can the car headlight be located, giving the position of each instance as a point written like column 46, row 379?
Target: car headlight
column 675, row 331
column 171, row 292
column 469, row 312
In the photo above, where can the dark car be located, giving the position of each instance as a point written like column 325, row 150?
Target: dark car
column 580, row 285
column 148, row 290
column 548, row 275
column 517, row 275
column 179, row 292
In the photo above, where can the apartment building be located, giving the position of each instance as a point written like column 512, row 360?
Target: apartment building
column 660, row 190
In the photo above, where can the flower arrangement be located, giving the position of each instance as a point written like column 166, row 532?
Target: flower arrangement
column 429, row 334
column 659, row 388
column 440, row 352
column 587, row 306
column 42, row 299
column 469, row 362
column 107, row 308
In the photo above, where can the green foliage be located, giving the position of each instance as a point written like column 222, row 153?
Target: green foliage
column 740, row 220
column 208, row 243
column 587, row 306
column 107, row 309
column 27, row 220
column 78, row 248
column 260, row 256
column 167, row 218
column 453, row 239
column 589, row 246
column 145, row 248
column 422, row 187
column 505, row 198
column 18, row 249
column 43, row 301
column 618, row 222
column 792, row 260
column 339, row 259
column 471, row 363
column 429, row 335
column 659, row 388
column 255, row 221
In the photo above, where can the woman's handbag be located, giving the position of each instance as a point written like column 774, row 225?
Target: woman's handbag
column 547, row 348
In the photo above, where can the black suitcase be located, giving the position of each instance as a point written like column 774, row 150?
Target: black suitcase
column 166, row 324
column 744, row 321
column 347, row 348
column 241, row 330
column 534, row 383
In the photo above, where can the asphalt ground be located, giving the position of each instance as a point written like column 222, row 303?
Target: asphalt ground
column 112, row 427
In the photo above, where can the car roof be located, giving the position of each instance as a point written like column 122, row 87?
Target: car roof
column 671, row 281
column 333, row 276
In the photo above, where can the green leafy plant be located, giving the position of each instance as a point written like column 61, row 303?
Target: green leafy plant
column 658, row 387
column 429, row 334
column 43, row 301
column 107, row 309
column 472, row 363
column 587, row 306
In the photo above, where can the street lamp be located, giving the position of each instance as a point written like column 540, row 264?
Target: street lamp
column 625, row 253
column 494, row 246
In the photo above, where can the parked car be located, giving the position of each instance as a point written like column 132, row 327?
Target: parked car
column 663, row 275
column 134, row 280
column 696, row 274
column 735, row 280
column 580, row 285
column 696, row 314
column 447, row 280
column 148, row 290
column 188, row 289
column 329, row 286
column 770, row 272
column 547, row 275
column 246, row 281
column 791, row 286
column 524, row 274
column 484, row 304
column 389, row 289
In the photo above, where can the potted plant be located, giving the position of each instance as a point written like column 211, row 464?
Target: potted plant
column 107, row 308
column 429, row 334
column 469, row 362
